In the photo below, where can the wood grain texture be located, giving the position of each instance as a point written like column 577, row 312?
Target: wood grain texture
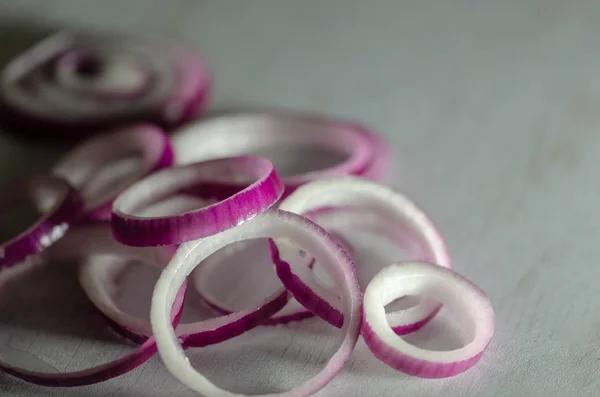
column 493, row 112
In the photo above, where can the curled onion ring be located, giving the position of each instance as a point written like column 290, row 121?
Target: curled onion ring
column 297, row 229
column 264, row 188
column 463, row 299
column 73, row 83
column 104, row 165
column 408, row 220
column 249, row 133
column 59, row 206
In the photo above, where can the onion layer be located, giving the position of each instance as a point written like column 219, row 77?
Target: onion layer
column 264, row 188
column 94, row 169
column 59, row 206
column 248, row 133
column 101, row 372
column 467, row 302
column 301, row 231
column 408, row 222
column 74, row 83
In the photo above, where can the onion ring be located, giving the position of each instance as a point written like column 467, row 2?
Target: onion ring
column 390, row 205
column 301, row 231
column 60, row 206
column 74, row 83
column 465, row 300
column 248, row 133
column 264, row 188
column 93, row 167
column 98, row 373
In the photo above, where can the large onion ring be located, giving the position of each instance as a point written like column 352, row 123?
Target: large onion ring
column 73, row 83
column 301, row 231
column 248, row 133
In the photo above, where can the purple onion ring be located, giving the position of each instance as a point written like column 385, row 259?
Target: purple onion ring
column 264, row 188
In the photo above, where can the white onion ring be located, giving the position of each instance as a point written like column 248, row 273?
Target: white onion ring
column 248, row 133
column 73, row 83
column 86, row 166
column 388, row 204
column 301, row 231
column 464, row 300
column 264, row 188
column 59, row 206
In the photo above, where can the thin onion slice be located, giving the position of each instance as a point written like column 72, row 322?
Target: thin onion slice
column 104, row 165
column 409, row 221
column 99, row 274
column 57, row 202
column 98, row 373
column 74, row 83
column 202, row 279
column 463, row 299
column 264, row 188
column 278, row 131
column 284, row 225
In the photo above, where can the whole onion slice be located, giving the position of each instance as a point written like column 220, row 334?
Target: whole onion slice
column 263, row 189
column 283, row 134
column 408, row 221
column 284, row 225
column 59, row 206
column 464, row 300
column 104, row 165
column 74, row 83
column 214, row 294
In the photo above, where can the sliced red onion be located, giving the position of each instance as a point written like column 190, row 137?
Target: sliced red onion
column 410, row 223
column 280, row 132
column 264, row 188
column 74, row 83
column 464, row 300
column 59, row 206
column 98, row 373
column 297, row 229
column 105, row 165
column 218, row 297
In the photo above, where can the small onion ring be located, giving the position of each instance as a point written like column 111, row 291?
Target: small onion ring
column 74, row 83
column 247, row 133
column 464, row 300
column 390, row 205
column 301, row 231
column 264, row 191
column 60, row 206
column 82, row 165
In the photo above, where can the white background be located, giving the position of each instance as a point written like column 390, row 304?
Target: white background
column 492, row 110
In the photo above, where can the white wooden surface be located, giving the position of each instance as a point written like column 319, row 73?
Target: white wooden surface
column 492, row 109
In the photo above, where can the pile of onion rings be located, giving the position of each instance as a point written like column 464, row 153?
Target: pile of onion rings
column 155, row 186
